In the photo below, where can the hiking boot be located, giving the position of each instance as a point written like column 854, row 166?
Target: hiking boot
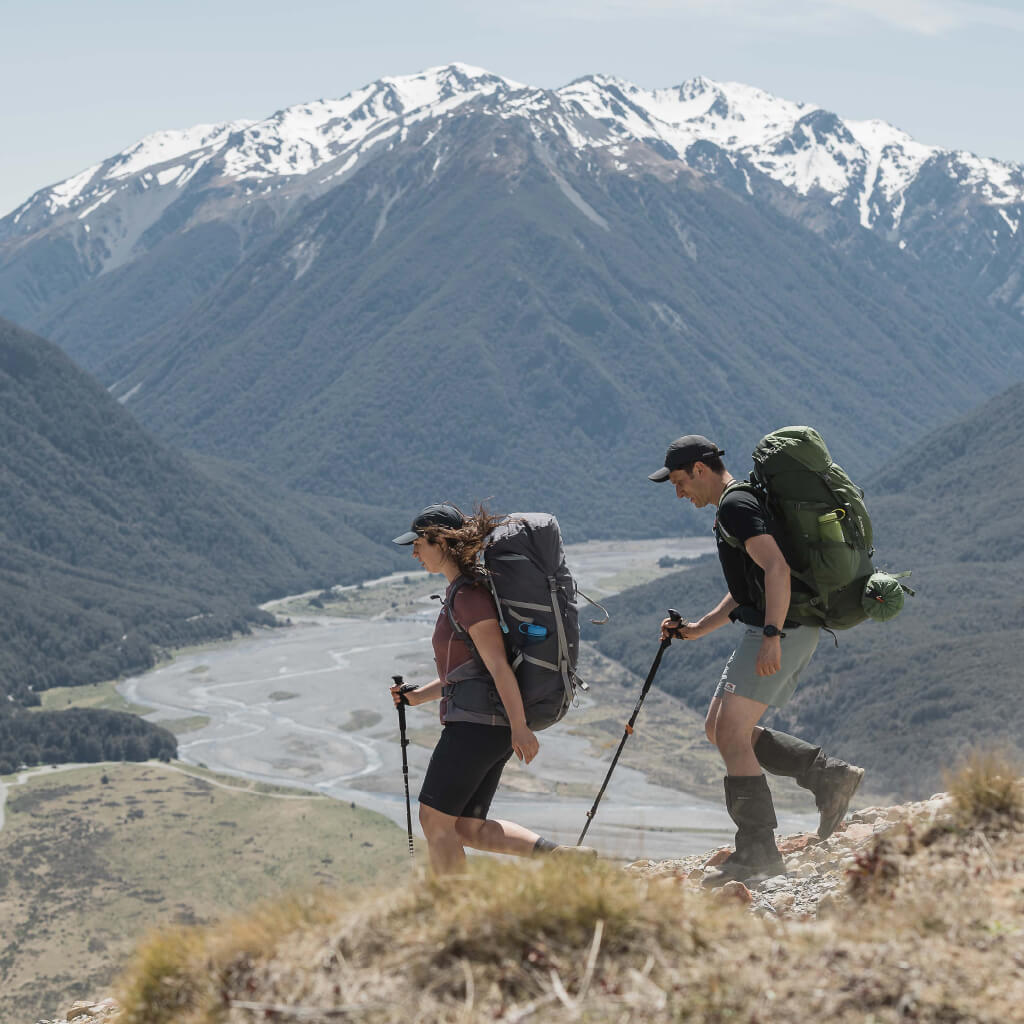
column 833, row 782
column 579, row 852
column 833, row 786
column 749, row 803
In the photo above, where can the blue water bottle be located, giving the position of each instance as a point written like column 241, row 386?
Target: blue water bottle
column 529, row 633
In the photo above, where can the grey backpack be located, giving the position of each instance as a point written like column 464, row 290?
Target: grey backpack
column 535, row 595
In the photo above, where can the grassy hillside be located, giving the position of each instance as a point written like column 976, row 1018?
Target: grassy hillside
column 923, row 927
column 93, row 859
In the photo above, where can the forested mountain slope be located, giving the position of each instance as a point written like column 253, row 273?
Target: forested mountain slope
column 111, row 544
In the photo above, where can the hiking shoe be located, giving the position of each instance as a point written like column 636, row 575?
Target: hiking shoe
column 833, row 790
column 766, row 863
column 580, row 852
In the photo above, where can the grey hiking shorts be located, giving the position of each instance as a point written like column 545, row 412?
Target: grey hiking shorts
column 740, row 673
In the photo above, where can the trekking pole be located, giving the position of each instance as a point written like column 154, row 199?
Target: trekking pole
column 665, row 644
column 403, row 688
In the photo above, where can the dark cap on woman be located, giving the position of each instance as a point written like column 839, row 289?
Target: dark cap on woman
column 443, row 514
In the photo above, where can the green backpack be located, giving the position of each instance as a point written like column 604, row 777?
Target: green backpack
column 825, row 532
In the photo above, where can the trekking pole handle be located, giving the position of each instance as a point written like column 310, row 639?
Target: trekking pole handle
column 403, row 689
column 674, row 616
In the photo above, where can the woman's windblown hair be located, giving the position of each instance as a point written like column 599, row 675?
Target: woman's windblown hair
column 465, row 543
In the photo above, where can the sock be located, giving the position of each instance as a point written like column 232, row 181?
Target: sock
column 544, row 845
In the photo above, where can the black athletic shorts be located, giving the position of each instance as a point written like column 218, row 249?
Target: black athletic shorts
column 465, row 769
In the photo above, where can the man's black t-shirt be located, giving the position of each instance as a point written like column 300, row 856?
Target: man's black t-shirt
column 741, row 515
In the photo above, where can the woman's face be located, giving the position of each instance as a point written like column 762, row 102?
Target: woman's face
column 430, row 556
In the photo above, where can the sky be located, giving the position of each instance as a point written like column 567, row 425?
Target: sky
column 80, row 82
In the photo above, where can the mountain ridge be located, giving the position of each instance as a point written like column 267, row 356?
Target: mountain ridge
column 732, row 115
column 869, row 166
column 521, row 259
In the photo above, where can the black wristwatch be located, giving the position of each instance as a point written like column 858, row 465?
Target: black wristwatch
column 773, row 631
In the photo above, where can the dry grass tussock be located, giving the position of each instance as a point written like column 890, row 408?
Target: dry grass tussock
column 931, row 931
column 987, row 788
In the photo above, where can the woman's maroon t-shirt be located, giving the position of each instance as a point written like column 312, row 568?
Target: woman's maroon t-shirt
column 473, row 604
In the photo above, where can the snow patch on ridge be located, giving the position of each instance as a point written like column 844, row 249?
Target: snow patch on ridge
column 166, row 176
column 103, row 198
column 63, row 195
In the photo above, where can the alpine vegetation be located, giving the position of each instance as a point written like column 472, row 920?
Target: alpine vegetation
column 912, row 917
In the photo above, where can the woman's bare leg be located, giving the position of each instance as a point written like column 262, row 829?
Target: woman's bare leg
column 444, row 843
column 496, row 836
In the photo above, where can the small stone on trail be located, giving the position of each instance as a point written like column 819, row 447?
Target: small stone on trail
column 734, row 890
column 867, row 814
column 856, row 833
column 90, row 1010
column 791, row 844
column 718, row 856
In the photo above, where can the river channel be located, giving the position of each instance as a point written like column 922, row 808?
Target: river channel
column 308, row 706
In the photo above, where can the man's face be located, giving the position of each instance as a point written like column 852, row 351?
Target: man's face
column 692, row 486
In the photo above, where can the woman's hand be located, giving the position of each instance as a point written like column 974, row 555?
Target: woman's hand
column 524, row 743
column 418, row 694
column 411, row 696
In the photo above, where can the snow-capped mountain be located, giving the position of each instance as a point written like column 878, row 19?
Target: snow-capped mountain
column 318, row 141
column 270, row 291
column 306, row 148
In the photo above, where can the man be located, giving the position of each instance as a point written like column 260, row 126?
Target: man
column 763, row 670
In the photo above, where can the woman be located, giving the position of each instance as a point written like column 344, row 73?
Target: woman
column 467, row 762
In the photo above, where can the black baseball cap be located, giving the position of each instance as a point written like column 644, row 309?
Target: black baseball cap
column 433, row 515
column 682, row 451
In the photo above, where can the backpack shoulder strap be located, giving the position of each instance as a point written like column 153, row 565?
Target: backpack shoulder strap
column 448, row 603
column 720, row 531
column 460, row 631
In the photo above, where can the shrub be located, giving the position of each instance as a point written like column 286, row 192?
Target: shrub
column 986, row 788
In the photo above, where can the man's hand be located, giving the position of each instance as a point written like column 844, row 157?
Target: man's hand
column 677, row 629
column 524, row 743
column 769, row 657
